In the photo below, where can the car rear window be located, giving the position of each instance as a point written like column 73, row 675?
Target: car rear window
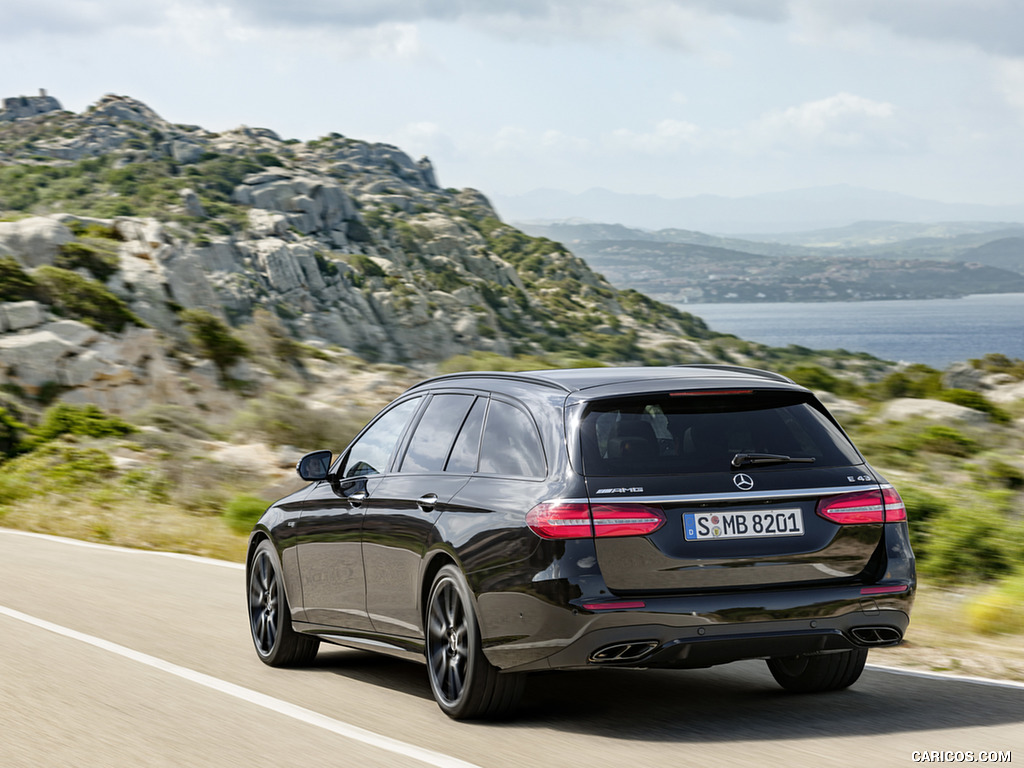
column 690, row 433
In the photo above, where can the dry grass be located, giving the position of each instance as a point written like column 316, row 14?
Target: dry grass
column 940, row 639
column 140, row 525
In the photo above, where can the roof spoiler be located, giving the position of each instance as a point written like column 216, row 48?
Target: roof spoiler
column 739, row 369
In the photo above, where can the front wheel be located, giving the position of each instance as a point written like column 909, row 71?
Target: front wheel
column 816, row 674
column 277, row 644
column 465, row 685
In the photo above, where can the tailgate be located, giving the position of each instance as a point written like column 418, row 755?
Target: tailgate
column 732, row 538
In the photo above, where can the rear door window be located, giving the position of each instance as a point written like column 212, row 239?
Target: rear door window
column 430, row 444
column 511, row 444
column 464, row 454
column 666, row 434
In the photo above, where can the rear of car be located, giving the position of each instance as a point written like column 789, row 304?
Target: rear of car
column 731, row 518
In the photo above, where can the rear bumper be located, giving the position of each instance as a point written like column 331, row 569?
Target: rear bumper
column 701, row 631
column 660, row 646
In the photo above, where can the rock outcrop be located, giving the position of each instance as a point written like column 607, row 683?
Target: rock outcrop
column 119, row 372
column 348, row 243
column 19, row 107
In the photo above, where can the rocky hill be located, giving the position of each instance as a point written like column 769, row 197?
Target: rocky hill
column 115, row 223
column 675, row 265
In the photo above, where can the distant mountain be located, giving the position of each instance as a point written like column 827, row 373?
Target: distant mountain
column 676, row 265
column 878, row 234
column 778, row 212
column 994, row 244
column 1007, row 252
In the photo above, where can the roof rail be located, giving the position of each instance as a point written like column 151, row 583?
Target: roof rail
column 739, row 369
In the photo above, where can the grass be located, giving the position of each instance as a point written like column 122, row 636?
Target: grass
column 127, row 523
column 942, row 638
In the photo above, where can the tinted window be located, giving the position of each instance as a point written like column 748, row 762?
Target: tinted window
column 511, row 445
column 429, row 446
column 372, row 451
column 667, row 435
column 467, row 444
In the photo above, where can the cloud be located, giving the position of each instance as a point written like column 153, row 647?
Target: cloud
column 667, row 136
column 843, row 121
column 1010, row 84
column 424, row 138
column 992, row 26
column 664, row 22
column 518, row 141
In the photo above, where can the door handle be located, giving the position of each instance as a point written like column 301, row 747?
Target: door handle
column 427, row 502
column 357, row 499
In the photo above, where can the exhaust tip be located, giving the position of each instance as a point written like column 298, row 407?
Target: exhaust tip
column 623, row 653
column 877, row 636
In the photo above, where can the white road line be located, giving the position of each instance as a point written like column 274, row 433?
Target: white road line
column 302, row 714
column 946, row 676
column 129, row 550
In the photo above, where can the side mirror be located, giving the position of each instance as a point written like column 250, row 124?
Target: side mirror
column 314, row 466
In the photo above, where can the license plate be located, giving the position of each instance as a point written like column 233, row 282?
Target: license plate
column 746, row 524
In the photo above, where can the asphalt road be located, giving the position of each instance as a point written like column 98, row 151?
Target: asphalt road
column 112, row 657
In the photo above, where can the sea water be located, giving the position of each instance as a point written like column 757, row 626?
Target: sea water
column 936, row 332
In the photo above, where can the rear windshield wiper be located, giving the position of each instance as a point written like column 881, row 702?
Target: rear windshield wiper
column 742, row 459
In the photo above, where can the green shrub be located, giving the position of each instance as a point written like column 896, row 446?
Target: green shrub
column 922, row 508
column 150, row 483
column 11, row 431
column 82, row 255
column 998, row 609
column 999, row 363
column 915, row 381
column 938, row 438
column 977, row 401
column 365, row 265
column 269, row 342
column 83, row 299
column 816, row 378
column 214, row 339
column 242, row 512
column 283, row 419
column 83, row 420
column 970, row 543
column 1005, row 475
column 15, row 283
column 61, row 466
column 267, row 159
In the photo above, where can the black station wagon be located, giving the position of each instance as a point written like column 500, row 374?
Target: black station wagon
column 494, row 524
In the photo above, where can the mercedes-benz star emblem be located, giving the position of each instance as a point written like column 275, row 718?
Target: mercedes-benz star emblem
column 743, row 482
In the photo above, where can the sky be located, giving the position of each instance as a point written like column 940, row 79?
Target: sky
column 669, row 97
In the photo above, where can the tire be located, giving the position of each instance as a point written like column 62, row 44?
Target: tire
column 277, row 644
column 465, row 685
column 817, row 674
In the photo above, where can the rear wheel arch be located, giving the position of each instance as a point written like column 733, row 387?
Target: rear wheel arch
column 437, row 561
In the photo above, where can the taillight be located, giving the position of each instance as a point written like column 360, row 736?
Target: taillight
column 560, row 520
column 895, row 510
column 626, row 519
column 576, row 520
column 883, row 506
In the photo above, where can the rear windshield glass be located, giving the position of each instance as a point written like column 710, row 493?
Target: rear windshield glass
column 665, row 434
